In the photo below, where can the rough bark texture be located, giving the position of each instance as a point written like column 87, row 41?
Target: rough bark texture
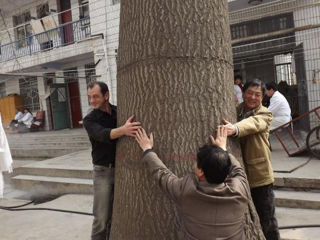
column 175, row 74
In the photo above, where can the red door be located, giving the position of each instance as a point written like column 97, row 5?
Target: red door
column 66, row 17
column 75, row 104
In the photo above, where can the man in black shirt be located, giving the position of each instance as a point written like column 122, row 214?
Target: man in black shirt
column 101, row 125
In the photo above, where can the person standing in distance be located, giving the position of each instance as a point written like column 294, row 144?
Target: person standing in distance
column 101, row 126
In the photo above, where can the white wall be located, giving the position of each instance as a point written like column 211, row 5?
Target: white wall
column 104, row 18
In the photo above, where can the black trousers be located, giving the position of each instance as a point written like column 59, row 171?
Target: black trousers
column 263, row 199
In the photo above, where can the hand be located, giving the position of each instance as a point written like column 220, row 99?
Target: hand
column 231, row 129
column 130, row 128
column 143, row 140
column 221, row 139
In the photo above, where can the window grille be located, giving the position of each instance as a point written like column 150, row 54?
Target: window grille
column 23, row 29
column 90, row 73
column 29, row 93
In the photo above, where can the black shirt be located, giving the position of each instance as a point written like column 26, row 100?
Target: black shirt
column 99, row 125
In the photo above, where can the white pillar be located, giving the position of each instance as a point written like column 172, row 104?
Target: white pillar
column 43, row 102
column 83, row 92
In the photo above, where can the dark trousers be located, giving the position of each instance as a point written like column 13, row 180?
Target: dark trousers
column 13, row 123
column 103, row 187
column 263, row 199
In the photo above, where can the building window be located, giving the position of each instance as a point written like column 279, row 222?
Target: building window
column 23, row 29
column 2, row 90
column 90, row 73
column 283, row 23
column 115, row 2
column 70, row 75
column 239, row 31
column 29, row 93
column 85, row 17
column 261, row 26
column 84, row 9
column 283, row 68
column 43, row 10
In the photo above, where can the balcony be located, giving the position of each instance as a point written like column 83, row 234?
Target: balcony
column 63, row 35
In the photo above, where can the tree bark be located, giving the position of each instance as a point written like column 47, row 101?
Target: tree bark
column 175, row 74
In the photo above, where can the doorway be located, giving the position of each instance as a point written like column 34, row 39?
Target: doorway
column 65, row 17
column 59, row 106
column 71, row 79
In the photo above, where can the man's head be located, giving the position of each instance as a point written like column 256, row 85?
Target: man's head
column 98, row 93
column 253, row 93
column 237, row 79
column 26, row 110
column 271, row 88
column 213, row 164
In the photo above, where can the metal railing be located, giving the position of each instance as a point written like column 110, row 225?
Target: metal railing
column 269, row 9
column 63, row 35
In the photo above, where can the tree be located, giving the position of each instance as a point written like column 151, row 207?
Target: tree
column 175, row 73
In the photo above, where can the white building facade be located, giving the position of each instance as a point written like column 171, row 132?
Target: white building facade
column 50, row 50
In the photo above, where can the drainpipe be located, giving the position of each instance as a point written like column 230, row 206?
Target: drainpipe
column 104, row 40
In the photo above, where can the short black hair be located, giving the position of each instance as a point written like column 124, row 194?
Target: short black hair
column 272, row 85
column 237, row 77
column 103, row 86
column 214, row 162
column 255, row 83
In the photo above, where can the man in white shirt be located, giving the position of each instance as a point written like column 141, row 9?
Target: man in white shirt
column 27, row 118
column 17, row 117
column 279, row 106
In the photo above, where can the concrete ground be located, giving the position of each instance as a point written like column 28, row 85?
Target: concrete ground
column 304, row 166
column 47, row 225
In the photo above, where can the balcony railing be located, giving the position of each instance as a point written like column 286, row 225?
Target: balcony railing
column 65, row 34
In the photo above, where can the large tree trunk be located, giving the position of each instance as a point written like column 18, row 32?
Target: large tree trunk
column 175, row 74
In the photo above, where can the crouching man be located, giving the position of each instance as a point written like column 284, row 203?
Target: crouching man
column 213, row 199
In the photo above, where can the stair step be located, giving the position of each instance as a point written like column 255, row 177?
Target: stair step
column 52, row 185
column 297, row 217
column 297, row 199
column 44, row 153
column 49, row 144
column 297, row 183
column 46, row 140
column 53, row 171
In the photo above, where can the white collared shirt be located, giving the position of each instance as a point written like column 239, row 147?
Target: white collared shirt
column 279, row 105
column 27, row 119
column 238, row 93
column 18, row 116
